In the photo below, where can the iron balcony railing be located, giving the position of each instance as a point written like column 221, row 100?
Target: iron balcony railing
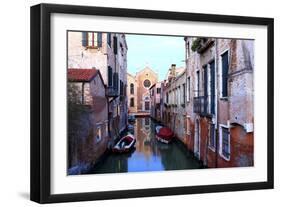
column 112, row 92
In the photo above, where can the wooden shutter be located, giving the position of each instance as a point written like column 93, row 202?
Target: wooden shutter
column 115, row 45
column 205, row 71
column 109, row 76
column 99, row 39
column 84, row 39
column 109, row 39
column 224, row 74
column 115, row 81
column 212, row 86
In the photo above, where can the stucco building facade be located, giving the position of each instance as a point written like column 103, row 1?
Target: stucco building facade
column 88, row 135
column 108, row 53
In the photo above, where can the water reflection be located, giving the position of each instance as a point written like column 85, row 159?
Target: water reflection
column 149, row 154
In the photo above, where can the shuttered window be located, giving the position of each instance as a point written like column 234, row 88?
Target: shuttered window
column 91, row 39
column 109, row 39
column 110, row 76
column 224, row 61
column 84, row 39
column 212, row 86
column 99, row 39
column 115, row 45
column 115, row 81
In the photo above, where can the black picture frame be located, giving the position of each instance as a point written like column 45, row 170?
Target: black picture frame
column 41, row 98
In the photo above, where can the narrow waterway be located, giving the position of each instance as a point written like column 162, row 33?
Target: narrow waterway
column 149, row 154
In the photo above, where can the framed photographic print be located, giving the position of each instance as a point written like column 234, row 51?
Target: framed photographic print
column 133, row 103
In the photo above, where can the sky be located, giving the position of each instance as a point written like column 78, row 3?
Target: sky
column 156, row 52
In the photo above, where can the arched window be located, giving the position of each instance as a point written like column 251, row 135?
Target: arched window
column 132, row 102
column 132, row 88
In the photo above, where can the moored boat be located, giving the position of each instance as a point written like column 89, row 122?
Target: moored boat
column 125, row 144
column 164, row 134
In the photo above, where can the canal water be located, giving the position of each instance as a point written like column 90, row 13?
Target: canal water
column 149, row 154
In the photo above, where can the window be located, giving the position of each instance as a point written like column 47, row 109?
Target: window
column 197, row 84
column 212, row 87
column 98, row 134
column 131, row 88
column 110, row 76
column 212, row 141
column 158, row 90
column 224, row 77
column 146, row 83
column 187, row 50
column 206, row 93
column 92, row 39
column 225, row 143
column 146, row 121
column 146, row 105
column 121, row 88
column 115, row 81
column 183, row 93
column 115, row 45
column 109, row 39
column 188, row 90
column 167, row 98
column 132, row 102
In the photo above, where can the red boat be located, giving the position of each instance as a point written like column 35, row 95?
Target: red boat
column 164, row 134
column 125, row 144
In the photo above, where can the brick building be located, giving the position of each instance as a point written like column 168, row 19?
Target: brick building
column 210, row 106
column 108, row 52
column 87, row 119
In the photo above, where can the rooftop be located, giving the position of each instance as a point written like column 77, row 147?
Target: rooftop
column 81, row 75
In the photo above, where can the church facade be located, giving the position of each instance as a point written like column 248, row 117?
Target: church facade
column 139, row 100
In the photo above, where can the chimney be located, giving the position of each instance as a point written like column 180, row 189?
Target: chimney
column 172, row 72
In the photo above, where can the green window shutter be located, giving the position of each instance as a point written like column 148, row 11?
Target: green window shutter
column 99, row 39
column 84, row 39
column 109, row 76
column 115, row 45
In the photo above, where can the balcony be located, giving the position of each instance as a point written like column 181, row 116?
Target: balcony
column 201, row 106
column 112, row 92
column 202, row 44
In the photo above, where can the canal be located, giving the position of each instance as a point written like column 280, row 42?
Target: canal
column 149, row 154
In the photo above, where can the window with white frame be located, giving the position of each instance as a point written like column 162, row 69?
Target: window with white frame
column 224, row 142
column 98, row 134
